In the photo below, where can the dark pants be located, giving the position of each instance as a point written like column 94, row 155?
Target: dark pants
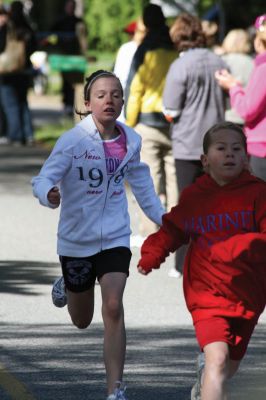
column 69, row 79
column 187, row 171
column 13, row 98
column 2, row 121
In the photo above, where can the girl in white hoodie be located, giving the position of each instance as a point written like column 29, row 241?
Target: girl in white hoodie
column 86, row 172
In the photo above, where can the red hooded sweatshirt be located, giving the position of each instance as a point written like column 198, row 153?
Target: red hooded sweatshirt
column 225, row 267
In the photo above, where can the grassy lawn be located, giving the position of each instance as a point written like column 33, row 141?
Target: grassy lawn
column 48, row 134
column 103, row 60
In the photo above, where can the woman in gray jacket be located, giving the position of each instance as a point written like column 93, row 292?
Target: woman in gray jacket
column 86, row 172
column 192, row 100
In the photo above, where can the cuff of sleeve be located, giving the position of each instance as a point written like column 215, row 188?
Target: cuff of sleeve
column 148, row 262
column 235, row 89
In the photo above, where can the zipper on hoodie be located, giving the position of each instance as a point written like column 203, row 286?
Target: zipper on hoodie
column 105, row 200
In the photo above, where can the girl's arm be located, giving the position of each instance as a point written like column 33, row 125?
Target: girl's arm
column 247, row 247
column 55, row 167
column 141, row 183
column 251, row 101
column 174, row 91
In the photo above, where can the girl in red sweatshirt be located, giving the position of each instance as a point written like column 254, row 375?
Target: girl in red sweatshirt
column 223, row 218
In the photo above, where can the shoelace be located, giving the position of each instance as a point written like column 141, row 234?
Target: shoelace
column 120, row 391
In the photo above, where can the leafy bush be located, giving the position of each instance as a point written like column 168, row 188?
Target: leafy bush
column 106, row 21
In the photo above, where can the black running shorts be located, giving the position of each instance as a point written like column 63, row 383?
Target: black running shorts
column 80, row 273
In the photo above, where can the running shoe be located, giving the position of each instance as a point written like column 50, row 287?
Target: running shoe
column 59, row 292
column 119, row 392
column 196, row 389
column 174, row 273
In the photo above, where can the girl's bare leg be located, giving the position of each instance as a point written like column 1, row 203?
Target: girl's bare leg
column 81, row 307
column 218, row 369
column 112, row 287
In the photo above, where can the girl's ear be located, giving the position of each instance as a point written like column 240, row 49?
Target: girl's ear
column 87, row 105
column 204, row 160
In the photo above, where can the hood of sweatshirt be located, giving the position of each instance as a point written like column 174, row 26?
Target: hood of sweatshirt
column 207, row 182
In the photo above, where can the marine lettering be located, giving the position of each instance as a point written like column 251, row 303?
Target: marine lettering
column 237, row 220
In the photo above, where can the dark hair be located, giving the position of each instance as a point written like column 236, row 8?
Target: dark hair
column 3, row 11
column 207, row 140
column 101, row 73
column 16, row 7
column 153, row 17
column 187, row 33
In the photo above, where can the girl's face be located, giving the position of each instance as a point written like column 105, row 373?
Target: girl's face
column 258, row 45
column 226, row 157
column 106, row 100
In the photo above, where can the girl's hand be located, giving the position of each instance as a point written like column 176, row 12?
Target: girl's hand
column 143, row 271
column 54, row 196
column 225, row 80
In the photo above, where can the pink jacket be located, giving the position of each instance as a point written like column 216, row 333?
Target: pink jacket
column 250, row 103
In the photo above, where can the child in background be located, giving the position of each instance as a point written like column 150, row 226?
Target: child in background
column 88, row 168
column 225, row 268
column 126, row 52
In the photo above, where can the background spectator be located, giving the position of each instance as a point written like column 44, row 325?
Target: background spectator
column 136, row 30
column 73, row 41
column 237, row 47
column 3, row 30
column 250, row 102
column 14, row 86
column 144, row 106
column 192, row 100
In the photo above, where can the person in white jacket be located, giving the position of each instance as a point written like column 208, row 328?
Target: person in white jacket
column 86, row 172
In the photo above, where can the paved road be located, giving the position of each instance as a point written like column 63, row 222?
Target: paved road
column 43, row 357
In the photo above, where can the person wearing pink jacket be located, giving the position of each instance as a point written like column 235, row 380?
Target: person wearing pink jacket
column 250, row 103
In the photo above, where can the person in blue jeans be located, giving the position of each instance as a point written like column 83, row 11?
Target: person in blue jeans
column 14, row 86
column 13, row 95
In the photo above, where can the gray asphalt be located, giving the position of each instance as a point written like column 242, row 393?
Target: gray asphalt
column 43, row 356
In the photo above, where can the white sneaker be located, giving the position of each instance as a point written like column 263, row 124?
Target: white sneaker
column 4, row 140
column 173, row 273
column 119, row 392
column 136, row 240
column 196, row 389
column 59, row 292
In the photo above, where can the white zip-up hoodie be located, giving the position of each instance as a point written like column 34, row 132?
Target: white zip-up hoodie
column 94, row 209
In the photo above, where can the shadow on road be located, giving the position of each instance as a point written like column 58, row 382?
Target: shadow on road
column 58, row 361
column 20, row 277
column 14, row 158
column 18, row 165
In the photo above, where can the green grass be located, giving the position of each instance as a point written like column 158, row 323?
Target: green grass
column 48, row 134
column 104, row 60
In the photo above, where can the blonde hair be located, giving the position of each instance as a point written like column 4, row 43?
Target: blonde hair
column 237, row 41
